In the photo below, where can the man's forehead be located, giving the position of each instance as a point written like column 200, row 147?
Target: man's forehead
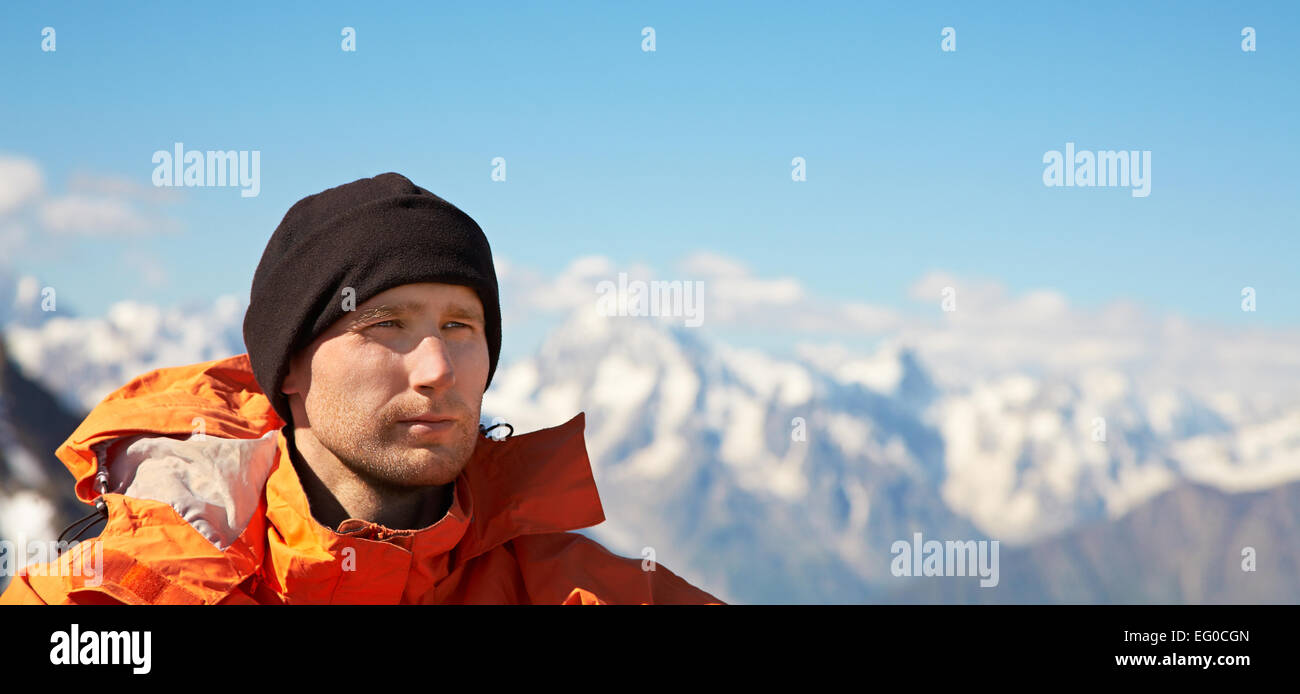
column 411, row 298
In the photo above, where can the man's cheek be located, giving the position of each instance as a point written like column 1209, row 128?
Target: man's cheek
column 356, row 377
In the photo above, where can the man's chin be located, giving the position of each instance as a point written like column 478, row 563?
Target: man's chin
column 426, row 466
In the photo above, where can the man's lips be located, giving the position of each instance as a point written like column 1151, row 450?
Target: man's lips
column 429, row 426
column 429, row 419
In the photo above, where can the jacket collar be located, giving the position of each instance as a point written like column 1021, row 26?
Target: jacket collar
column 537, row 482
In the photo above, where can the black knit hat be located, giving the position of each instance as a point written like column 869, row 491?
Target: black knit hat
column 371, row 235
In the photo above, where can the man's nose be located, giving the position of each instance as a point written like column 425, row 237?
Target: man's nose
column 432, row 367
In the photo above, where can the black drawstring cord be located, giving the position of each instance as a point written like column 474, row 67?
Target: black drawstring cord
column 95, row 516
column 100, row 512
column 484, row 430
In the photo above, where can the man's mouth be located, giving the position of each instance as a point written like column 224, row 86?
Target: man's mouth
column 429, row 426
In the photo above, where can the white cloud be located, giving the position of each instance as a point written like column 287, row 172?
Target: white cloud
column 732, row 295
column 20, row 182
column 96, row 215
column 93, row 205
column 993, row 332
column 121, row 187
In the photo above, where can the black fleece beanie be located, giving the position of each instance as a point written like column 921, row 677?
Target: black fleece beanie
column 372, row 234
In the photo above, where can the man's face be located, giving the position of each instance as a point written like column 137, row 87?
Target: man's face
column 413, row 350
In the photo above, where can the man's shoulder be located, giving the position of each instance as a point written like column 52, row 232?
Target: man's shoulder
column 555, row 564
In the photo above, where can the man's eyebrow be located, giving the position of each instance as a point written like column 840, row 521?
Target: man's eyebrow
column 462, row 311
column 386, row 310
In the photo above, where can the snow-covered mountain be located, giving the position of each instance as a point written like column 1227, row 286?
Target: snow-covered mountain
column 765, row 481
column 788, row 480
column 1192, row 544
column 694, row 451
column 83, row 359
column 36, row 498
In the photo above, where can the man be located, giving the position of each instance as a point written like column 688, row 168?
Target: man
column 341, row 460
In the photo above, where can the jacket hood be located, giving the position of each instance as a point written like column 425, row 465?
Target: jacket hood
column 199, row 448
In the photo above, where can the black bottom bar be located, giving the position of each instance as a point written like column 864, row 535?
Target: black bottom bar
column 657, row 642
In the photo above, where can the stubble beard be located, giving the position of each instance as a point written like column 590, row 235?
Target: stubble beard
column 377, row 448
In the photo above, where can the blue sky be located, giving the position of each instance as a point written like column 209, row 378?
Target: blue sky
column 917, row 159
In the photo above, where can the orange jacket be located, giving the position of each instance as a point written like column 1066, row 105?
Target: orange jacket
column 218, row 515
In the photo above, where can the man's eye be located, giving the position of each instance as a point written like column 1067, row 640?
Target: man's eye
column 393, row 322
